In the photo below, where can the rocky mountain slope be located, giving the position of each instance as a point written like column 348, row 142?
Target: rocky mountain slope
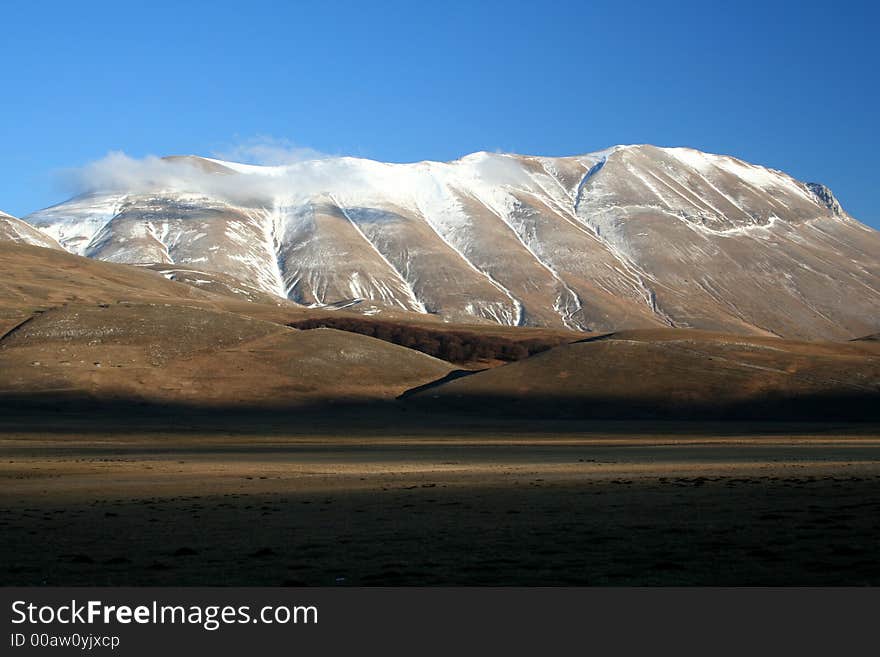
column 635, row 236
column 16, row 230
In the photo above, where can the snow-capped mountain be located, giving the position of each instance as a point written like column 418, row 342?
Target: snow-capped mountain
column 16, row 230
column 627, row 237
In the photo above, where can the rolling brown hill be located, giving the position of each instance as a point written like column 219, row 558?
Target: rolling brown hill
column 160, row 353
column 675, row 373
column 75, row 328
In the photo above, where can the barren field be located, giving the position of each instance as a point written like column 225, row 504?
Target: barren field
column 302, row 501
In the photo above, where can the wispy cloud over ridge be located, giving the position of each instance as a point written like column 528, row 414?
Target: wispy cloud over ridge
column 303, row 169
column 268, row 151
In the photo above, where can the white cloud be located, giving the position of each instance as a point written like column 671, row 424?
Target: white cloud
column 269, row 151
column 297, row 172
column 117, row 171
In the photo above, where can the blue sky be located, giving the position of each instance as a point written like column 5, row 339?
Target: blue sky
column 792, row 85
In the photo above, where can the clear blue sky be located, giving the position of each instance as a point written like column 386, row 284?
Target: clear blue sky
column 792, row 85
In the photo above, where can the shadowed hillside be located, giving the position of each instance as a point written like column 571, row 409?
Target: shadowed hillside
column 675, row 373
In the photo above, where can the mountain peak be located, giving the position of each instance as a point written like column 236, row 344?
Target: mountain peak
column 826, row 197
column 632, row 236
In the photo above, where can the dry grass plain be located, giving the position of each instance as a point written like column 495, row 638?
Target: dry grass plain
column 310, row 501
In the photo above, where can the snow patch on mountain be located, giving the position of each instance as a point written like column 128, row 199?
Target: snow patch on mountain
column 632, row 235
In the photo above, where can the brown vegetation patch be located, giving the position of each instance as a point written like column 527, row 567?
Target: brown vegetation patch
column 454, row 345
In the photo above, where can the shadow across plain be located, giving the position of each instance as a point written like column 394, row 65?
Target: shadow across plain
column 425, row 416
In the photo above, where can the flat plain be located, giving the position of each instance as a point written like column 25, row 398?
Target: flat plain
column 368, row 499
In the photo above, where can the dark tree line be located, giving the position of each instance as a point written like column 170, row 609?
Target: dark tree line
column 453, row 345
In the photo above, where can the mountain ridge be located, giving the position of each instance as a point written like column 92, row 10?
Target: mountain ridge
column 629, row 237
column 14, row 229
